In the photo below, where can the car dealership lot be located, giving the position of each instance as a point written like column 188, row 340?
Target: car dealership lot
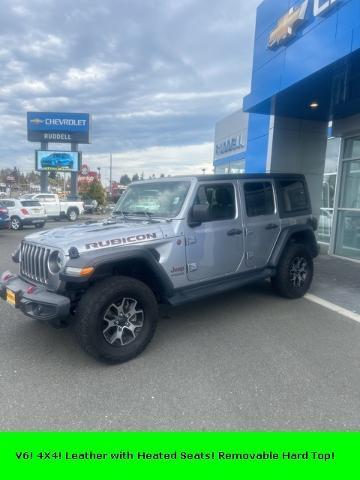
column 245, row 360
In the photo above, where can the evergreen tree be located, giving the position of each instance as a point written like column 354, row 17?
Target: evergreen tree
column 125, row 180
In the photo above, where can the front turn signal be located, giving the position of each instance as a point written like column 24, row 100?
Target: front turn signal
column 80, row 272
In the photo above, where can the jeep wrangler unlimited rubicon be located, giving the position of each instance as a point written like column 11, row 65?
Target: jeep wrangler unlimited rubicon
column 172, row 240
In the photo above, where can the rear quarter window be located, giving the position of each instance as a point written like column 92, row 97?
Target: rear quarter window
column 293, row 197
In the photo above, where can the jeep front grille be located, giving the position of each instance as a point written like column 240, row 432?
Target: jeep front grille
column 34, row 262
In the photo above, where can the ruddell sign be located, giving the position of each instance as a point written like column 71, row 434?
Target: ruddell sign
column 58, row 127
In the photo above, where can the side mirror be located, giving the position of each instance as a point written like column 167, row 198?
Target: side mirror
column 199, row 215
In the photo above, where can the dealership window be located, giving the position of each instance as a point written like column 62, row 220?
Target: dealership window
column 259, row 199
column 221, row 169
column 328, row 190
column 347, row 242
column 237, row 167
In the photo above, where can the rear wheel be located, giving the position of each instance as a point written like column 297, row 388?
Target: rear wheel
column 16, row 223
column 116, row 319
column 39, row 225
column 73, row 214
column 294, row 272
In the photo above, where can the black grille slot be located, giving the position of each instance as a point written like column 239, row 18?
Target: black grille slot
column 34, row 262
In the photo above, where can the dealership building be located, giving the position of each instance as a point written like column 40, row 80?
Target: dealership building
column 303, row 111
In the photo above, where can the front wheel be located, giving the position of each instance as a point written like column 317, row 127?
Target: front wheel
column 294, row 272
column 116, row 319
column 16, row 223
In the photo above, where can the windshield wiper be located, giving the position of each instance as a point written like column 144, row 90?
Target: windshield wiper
column 146, row 214
column 120, row 212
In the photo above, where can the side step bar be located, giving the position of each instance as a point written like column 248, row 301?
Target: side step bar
column 193, row 293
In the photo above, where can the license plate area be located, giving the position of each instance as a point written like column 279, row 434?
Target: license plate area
column 11, row 297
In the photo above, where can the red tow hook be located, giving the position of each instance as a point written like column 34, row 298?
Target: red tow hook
column 6, row 276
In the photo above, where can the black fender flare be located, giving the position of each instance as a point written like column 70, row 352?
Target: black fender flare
column 290, row 233
column 106, row 259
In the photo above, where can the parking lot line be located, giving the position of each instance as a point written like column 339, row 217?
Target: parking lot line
column 333, row 307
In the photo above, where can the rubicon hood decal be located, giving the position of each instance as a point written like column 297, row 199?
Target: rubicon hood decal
column 145, row 237
column 96, row 236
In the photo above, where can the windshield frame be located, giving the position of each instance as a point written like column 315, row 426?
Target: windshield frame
column 151, row 185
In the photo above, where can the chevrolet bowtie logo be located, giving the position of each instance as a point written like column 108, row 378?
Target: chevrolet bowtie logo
column 288, row 24
column 36, row 121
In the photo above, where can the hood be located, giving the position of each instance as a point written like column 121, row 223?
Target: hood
column 92, row 236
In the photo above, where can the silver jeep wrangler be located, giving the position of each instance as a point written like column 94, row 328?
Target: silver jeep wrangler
column 168, row 241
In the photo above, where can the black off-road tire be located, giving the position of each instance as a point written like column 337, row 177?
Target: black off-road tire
column 285, row 282
column 90, row 322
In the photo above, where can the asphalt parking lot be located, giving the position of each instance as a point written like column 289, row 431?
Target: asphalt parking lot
column 245, row 360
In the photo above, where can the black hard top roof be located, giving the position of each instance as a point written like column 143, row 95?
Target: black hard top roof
column 247, row 176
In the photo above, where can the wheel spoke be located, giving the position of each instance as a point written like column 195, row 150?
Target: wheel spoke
column 110, row 324
column 117, row 335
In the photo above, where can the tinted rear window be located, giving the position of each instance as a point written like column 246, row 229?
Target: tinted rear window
column 294, row 197
column 30, row 203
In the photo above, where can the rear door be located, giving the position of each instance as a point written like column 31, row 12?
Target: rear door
column 262, row 221
column 216, row 247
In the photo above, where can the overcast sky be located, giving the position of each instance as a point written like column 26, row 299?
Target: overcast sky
column 154, row 74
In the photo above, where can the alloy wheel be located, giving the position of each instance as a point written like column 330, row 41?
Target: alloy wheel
column 299, row 270
column 123, row 321
column 15, row 224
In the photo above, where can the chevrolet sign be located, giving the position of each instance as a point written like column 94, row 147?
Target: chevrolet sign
column 58, row 127
column 294, row 18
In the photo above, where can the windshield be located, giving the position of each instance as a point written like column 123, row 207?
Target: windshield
column 162, row 199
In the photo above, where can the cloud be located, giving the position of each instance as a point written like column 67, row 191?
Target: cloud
column 156, row 76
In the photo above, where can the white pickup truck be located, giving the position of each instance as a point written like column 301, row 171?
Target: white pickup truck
column 56, row 208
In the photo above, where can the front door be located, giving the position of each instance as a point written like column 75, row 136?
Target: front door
column 216, row 247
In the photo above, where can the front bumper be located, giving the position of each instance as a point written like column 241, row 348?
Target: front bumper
column 39, row 304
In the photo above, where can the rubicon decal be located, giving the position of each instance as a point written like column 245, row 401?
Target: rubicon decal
column 146, row 237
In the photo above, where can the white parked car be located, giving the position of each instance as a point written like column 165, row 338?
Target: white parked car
column 56, row 208
column 25, row 212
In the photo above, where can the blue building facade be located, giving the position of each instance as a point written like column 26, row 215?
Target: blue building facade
column 305, row 77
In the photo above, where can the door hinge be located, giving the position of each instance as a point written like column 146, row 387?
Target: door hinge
column 191, row 240
column 192, row 267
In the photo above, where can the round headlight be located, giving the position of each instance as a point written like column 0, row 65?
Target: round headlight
column 56, row 262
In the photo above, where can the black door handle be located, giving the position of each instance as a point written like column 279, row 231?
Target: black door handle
column 272, row 226
column 235, row 231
